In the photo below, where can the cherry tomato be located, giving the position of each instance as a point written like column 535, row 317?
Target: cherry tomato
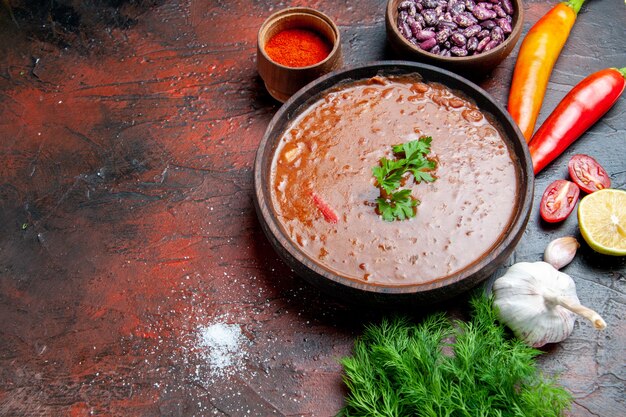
column 588, row 174
column 558, row 201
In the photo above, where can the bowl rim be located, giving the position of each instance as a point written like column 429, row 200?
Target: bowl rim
column 392, row 7
column 291, row 109
column 282, row 13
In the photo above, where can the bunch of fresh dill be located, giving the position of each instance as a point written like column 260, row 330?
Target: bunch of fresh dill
column 440, row 368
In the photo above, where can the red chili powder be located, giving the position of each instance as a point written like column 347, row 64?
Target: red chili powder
column 297, row 48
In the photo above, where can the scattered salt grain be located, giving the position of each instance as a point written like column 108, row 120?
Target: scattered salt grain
column 220, row 346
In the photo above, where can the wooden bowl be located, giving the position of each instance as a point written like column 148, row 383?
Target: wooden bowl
column 359, row 291
column 282, row 81
column 473, row 66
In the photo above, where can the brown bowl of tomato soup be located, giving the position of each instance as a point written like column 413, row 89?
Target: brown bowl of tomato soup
column 393, row 182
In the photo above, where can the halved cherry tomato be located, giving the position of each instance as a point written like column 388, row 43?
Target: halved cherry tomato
column 588, row 174
column 558, row 201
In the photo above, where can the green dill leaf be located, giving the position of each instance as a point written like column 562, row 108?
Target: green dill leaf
column 399, row 369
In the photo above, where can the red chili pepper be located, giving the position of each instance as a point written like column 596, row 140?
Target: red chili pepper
column 537, row 55
column 329, row 214
column 579, row 109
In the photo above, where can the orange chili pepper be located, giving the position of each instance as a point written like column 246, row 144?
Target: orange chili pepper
column 537, row 55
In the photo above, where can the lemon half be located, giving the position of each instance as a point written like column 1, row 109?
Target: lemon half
column 602, row 221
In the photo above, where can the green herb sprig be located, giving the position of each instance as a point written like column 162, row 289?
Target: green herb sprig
column 399, row 205
column 448, row 368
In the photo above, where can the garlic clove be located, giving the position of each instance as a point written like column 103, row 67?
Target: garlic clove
column 561, row 251
column 539, row 303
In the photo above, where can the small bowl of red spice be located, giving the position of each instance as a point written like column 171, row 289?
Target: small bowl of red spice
column 294, row 47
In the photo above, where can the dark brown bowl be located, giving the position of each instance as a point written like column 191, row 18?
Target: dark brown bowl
column 472, row 66
column 361, row 292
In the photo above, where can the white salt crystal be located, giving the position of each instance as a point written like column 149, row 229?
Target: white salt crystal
column 220, row 346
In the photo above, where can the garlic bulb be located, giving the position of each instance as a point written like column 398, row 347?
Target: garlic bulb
column 538, row 303
column 561, row 251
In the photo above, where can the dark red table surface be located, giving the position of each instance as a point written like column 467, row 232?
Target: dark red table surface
column 128, row 134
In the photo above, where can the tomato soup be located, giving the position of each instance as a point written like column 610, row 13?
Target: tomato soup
column 324, row 193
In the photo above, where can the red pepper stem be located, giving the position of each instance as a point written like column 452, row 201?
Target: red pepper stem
column 575, row 5
column 621, row 71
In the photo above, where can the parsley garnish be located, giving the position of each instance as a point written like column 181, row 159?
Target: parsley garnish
column 415, row 158
column 399, row 205
column 414, row 147
column 389, row 174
